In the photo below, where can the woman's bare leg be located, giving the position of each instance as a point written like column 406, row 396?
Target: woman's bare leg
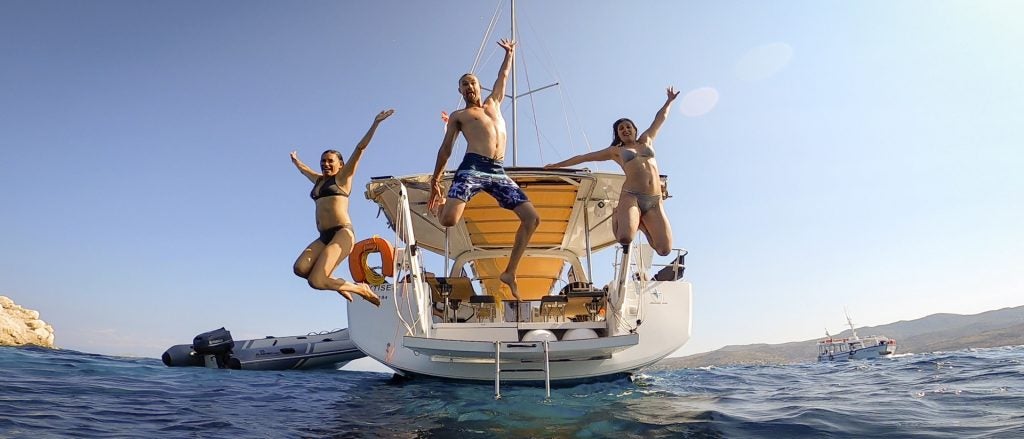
column 304, row 263
column 331, row 256
column 626, row 220
column 658, row 230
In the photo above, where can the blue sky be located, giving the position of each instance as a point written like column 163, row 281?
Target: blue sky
column 822, row 154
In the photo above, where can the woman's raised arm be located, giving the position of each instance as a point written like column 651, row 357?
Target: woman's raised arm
column 305, row 170
column 659, row 118
column 353, row 160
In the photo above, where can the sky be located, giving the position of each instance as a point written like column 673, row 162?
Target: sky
column 821, row 155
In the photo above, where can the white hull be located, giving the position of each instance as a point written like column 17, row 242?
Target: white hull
column 859, row 354
column 466, row 351
column 585, row 332
column 858, row 349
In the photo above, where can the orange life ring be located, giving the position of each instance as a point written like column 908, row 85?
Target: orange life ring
column 357, row 260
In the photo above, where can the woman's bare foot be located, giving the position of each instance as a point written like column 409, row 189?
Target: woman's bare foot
column 360, row 289
column 346, row 295
column 365, row 291
column 510, row 280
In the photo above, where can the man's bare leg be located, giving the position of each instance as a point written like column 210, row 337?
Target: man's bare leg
column 528, row 222
column 509, row 278
column 451, row 212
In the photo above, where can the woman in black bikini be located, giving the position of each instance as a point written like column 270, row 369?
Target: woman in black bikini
column 330, row 192
column 640, row 204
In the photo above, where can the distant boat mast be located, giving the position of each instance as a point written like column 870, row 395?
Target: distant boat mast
column 850, row 322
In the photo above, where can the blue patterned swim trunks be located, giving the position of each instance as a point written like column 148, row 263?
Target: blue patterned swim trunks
column 478, row 173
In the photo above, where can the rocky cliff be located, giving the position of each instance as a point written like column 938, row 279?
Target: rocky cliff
column 20, row 326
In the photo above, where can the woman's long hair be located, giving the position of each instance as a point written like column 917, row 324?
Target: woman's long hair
column 616, row 141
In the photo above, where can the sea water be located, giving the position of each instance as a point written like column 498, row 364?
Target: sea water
column 964, row 394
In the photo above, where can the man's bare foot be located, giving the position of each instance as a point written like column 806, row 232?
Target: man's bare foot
column 510, row 280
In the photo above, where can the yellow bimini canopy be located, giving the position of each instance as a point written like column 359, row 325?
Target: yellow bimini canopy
column 573, row 205
column 491, row 227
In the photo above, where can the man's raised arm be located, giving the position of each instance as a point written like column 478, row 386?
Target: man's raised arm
column 498, row 91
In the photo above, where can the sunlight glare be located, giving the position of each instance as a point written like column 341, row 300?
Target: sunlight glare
column 699, row 102
column 763, row 61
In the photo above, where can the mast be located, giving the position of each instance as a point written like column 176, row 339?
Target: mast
column 850, row 322
column 515, row 121
column 515, row 92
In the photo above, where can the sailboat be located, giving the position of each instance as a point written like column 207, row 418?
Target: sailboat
column 463, row 323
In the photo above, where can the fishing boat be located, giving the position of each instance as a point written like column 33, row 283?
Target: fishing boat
column 854, row 347
column 216, row 349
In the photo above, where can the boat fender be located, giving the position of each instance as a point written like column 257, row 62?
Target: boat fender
column 579, row 334
column 540, row 335
column 357, row 265
column 181, row 355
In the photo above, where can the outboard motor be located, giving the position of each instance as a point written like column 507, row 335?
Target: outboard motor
column 214, row 346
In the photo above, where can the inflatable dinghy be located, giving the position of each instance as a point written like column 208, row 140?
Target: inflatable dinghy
column 216, row 349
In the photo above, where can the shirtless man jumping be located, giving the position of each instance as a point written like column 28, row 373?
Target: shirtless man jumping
column 481, row 169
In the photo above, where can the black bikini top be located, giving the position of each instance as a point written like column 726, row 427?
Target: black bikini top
column 628, row 155
column 328, row 188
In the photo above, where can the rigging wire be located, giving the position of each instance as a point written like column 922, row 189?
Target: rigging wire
column 487, row 37
column 399, row 226
column 533, row 108
column 565, row 117
column 533, row 104
column 586, row 139
column 550, row 67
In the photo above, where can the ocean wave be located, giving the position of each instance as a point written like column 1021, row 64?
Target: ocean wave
column 972, row 393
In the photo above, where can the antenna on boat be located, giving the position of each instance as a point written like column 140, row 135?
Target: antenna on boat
column 850, row 322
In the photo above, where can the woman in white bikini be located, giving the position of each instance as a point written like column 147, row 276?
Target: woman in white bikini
column 640, row 203
column 330, row 191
